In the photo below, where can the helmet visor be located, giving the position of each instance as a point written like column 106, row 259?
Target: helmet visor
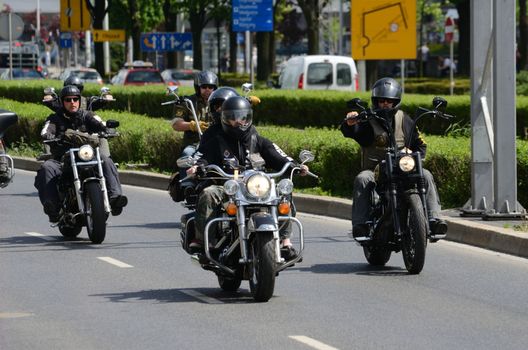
column 240, row 118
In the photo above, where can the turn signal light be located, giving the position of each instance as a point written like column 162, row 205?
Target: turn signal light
column 231, row 209
column 284, row 208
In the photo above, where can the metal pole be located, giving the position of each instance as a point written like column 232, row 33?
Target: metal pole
column 451, row 75
column 248, row 51
column 106, row 45
column 504, row 112
column 10, row 47
column 481, row 90
column 340, row 51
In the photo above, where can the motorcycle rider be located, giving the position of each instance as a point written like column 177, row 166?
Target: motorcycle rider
column 237, row 139
column 93, row 102
column 372, row 137
column 62, row 124
column 205, row 83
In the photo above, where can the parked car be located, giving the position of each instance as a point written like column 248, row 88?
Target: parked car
column 138, row 73
column 22, row 74
column 179, row 77
column 88, row 75
column 320, row 72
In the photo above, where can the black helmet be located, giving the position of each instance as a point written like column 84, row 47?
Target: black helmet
column 205, row 78
column 217, row 98
column 386, row 88
column 74, row 80
column 238, row 109
column 70, row 90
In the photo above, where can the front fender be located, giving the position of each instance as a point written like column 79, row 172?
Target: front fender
column 259, row 222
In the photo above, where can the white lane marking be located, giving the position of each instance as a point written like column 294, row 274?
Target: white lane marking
column 40, row 235
column 4, row 315
column 114, row 261
column 312, row 342
column 201, row 296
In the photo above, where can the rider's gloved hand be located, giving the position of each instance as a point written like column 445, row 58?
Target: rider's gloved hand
column 203, row 125
column 192, row 126
column 352, row 118
column 254, row 100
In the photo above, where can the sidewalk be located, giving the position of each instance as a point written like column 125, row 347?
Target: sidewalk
column 493, row 235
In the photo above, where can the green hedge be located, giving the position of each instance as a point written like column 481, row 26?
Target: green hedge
column 152, row 141
column 295, row 108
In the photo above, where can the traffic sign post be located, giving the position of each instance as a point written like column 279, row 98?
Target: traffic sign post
column 252, row 15
column 165, row 42
column 65, row 40
column 449, row 31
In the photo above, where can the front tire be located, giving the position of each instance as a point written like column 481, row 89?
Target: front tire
column 377, row 255
column 229, row 284
column 95, row 212
column 70, row 231
column 414, row 235
column 262, row 274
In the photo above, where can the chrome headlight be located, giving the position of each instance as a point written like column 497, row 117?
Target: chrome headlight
column 258, row 185
column 407, row 164
column 86, row 153
column 231, row 187
column 285, row 186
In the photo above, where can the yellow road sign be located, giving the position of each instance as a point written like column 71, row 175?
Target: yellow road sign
column 383, row 29
column 74, row 15
column 108, row 35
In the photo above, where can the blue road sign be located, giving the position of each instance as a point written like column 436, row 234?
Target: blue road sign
column 65, row 40
column 166, row 42
column 252, row 15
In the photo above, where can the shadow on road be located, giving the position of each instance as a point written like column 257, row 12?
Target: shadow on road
column 182, row 295
column 363, row 269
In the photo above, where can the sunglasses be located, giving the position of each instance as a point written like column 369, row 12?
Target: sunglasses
column 210, row 87
column 383, row 100
column 71, row 99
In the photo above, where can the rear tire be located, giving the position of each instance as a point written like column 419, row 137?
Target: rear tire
column 95, row 212
column 414, row 235
column 262, row 274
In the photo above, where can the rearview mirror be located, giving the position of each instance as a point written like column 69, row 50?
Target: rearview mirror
column 247, row 87
column 49, row 91
column 172, row 90
column 104, row 90
column 357, row 104
column 111, row 123
column 306, row 156
column 439, row 104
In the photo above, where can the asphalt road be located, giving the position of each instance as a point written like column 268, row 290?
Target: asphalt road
column 139, row 290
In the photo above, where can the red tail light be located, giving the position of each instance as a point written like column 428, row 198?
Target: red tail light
column 300, row 84
column 357, row 82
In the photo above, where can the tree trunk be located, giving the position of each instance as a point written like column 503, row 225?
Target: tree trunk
column 233, row 49
column 98, row 14
column 523, row 35
column 170, row 26
column 310, row 9
column 464, row 41
column 263, row 55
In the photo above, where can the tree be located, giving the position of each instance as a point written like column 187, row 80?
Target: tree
column 312, row 13
column 464, row 40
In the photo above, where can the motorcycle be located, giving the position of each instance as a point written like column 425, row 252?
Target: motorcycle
column 245, row 242
column 82, row 187
column 398, row 219
column 7, row 169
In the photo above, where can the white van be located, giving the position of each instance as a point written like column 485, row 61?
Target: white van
column 320, row 72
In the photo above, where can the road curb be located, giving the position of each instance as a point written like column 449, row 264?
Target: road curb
column 461, row 230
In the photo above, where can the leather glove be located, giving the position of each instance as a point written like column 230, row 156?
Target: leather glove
column 204, row 126
column 192, row 126
column 254, row 100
